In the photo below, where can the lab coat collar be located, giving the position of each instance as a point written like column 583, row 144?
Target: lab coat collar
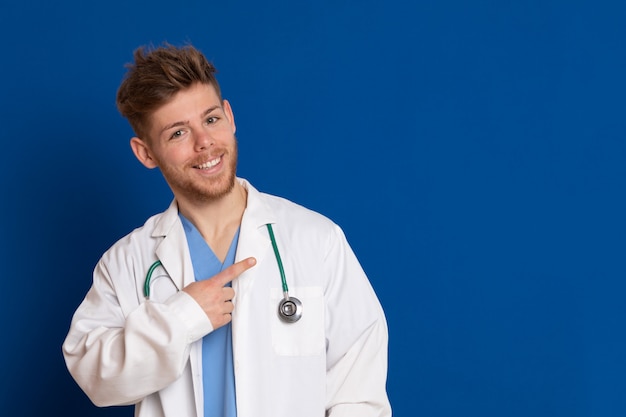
column 173, row 251
column 253, row 237
column 257, row 212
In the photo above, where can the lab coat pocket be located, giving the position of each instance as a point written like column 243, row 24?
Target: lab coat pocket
column 306, row 336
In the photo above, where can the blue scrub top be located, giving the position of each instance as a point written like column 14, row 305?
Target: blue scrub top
column 217, row 347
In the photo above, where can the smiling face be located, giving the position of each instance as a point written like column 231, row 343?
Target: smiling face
column 192, row 141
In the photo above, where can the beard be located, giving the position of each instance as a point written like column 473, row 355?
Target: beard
column 206, row 189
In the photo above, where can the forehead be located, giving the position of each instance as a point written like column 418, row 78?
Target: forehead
column 185, row 105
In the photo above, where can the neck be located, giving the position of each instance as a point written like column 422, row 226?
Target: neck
column 217, row 221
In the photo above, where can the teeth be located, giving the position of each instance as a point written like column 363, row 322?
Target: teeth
column 209, row 164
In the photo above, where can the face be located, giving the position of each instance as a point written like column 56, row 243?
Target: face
column 192, row 141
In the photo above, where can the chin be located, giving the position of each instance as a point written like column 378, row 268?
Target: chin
column 216, row 190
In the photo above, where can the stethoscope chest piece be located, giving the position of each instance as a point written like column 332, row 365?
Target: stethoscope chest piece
column 290, row 310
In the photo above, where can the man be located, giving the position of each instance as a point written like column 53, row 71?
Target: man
column 182, row 318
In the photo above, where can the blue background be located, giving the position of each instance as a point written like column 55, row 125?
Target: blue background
column 473, row 152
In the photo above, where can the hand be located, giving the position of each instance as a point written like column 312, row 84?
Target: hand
column 214, row 297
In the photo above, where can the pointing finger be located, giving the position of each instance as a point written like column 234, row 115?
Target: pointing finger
column 234, row 271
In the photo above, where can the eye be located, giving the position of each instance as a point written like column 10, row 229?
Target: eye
column 211, row 120
column 176, row 134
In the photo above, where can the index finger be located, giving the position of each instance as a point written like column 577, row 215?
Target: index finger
column 234, row 271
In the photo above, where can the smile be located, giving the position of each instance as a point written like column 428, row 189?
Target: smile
column 210, row 163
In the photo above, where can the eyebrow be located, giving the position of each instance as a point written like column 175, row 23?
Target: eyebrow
column 185, row 122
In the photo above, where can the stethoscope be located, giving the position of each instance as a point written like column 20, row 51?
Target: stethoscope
column 289, row 308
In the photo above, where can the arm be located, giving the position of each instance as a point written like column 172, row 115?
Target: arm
column 357, row 339
column 118, row 359
column 356, row 383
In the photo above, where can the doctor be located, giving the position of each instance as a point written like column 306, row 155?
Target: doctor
column 208, row 341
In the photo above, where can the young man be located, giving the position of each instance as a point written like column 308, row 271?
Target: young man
column 183, row 316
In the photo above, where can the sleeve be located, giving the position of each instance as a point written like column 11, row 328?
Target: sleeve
column 357, row 339
column 118, row 359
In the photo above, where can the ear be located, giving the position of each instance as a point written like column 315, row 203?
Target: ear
column 229, row 114
column 143, row 153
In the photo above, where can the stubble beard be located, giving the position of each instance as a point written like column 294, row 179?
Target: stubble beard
column 207, row 190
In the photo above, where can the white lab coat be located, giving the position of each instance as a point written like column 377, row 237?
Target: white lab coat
column 122, row 349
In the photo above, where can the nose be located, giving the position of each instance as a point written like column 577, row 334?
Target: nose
column 203, row 140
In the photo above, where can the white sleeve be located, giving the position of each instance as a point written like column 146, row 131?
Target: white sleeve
column 357, row 339
column 119, row 359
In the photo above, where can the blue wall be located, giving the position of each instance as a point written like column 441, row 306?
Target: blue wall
column 473, row 152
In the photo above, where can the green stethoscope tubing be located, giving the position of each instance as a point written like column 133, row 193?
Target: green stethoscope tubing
column 289, row 308
column 146, row 284
column 278, row 261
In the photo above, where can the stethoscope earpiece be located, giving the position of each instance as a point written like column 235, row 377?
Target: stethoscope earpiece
column 290, row 309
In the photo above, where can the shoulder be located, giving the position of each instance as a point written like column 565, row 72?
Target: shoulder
column 304, row 230
column 264, row 208
column 297, row 215
column 140, row 240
